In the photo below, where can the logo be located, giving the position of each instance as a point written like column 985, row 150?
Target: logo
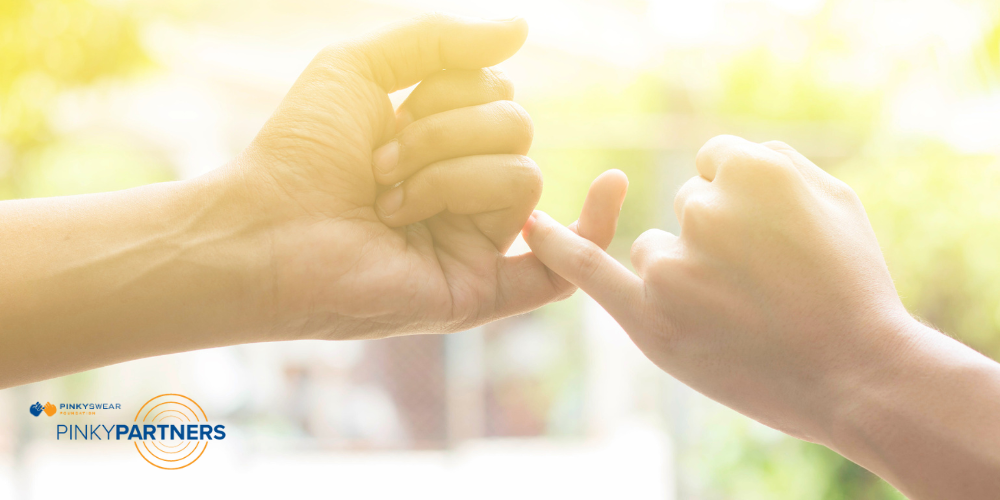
column 37, row 409
column 186, row 442
column 170, row 431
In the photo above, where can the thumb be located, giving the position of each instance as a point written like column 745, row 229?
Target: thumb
column 402, row 55
column 583, row 263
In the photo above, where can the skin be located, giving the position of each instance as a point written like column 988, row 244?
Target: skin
column 306, row 234
column 776, row 301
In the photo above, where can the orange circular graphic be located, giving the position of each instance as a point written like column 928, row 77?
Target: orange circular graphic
column 169, row 453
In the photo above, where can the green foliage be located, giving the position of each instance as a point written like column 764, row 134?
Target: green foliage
column 989, row 55
column 71, row 166
column 736, row 458
column 572, row 170
column 935, row 211
column 992, row 48
column 756, row 84
column 937, row 217
column 47, row 47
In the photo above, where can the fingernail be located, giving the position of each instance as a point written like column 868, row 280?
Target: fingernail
column 390, row 201
column 385, row 158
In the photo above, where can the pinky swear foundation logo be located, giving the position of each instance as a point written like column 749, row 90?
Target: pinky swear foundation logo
column 37, row 409
column 170, row 431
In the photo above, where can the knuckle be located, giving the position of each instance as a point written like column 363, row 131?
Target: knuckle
column 735, row 156
column 643, row 245
column 520, row 123
column 685, row 192
column 842, row 188
column 655, row 262
column 585, row 260
column 529, row 169
column 679, row 205
column 699, row 214
column 756, row 171
column 777, row 145
column 644, row 240
column 722, row 140
column 428, row 133
column 844, row 192
column 716, row 144
column 718, row 153
column 529, row 180
column 661, row 270
column 541, row 234
column 329, row 56
column 434, row 188
column 500, row 83
column 778, row 170
column 694, row 208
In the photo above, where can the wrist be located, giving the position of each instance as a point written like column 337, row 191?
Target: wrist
column 882, row 368
column 908, row 417
column 228, row 230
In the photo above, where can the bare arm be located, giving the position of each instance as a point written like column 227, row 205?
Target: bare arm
column 926, row 419
column 776, row 301
column 97, row 279
column 343, row 219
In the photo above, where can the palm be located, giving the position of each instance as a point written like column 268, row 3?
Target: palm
column 439, row 274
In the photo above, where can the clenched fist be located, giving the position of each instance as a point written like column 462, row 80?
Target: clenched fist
column 775, row 300
column 381, row 222
column 342, row 219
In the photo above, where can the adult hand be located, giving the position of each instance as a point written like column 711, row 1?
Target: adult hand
column 351, row 256
column 776, row 301
column 343, row 219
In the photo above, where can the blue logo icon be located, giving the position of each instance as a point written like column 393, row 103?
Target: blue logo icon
column 36, row 409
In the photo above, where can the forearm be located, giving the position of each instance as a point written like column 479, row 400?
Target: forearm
column 927, row 422
column 91, row 280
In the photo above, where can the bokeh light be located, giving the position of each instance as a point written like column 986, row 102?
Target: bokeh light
column 898, row 98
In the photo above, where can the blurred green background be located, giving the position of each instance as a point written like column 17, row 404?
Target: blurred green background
column 899, row 99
